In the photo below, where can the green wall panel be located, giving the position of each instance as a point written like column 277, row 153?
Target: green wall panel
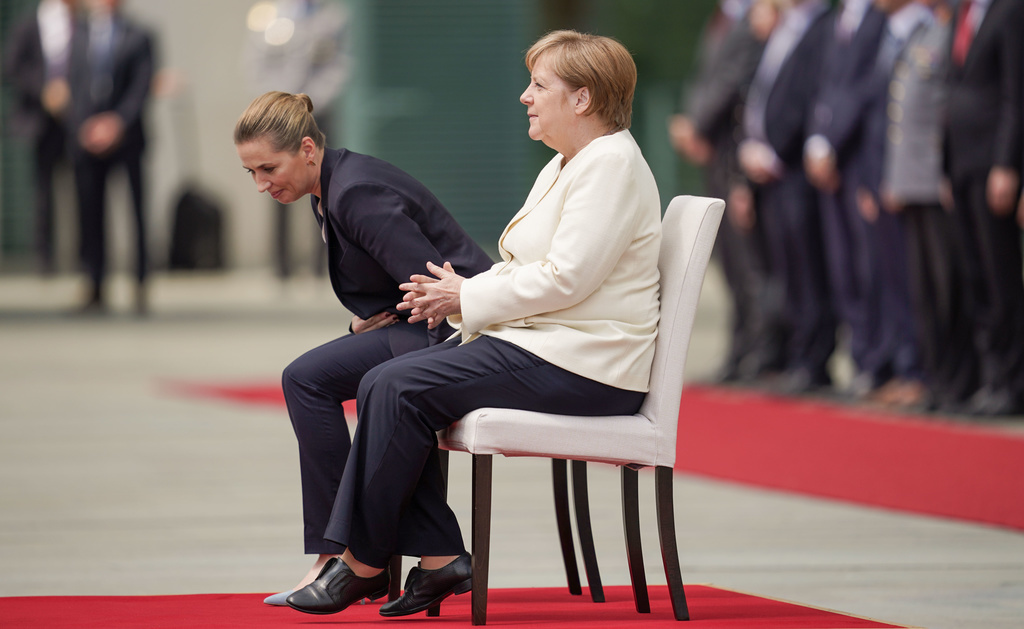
column 436, row 92
column 16, row 200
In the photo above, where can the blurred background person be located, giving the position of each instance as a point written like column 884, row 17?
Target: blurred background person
column 112, row 63
column 909, row 113
column 706, row 135
column 36, row 62
column 836, row 135
column 983, row 162
column 897, row 340
column 776, row 117
column 299, row 47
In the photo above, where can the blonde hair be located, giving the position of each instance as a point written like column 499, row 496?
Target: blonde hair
column 281, row 118
column 599, row 63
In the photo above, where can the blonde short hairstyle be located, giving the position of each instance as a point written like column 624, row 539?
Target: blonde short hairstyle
column 599, row 63
column 281, row 118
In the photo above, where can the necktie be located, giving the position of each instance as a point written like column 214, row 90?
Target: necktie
column 102, row 36
column 964, row 33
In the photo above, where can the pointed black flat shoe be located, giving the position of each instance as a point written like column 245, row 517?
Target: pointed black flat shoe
column 426, row 588
column 336, row 588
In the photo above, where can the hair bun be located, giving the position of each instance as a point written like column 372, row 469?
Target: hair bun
column 306, row 100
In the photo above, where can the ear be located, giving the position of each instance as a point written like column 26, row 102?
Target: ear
column 307, row 148
column 581, row 100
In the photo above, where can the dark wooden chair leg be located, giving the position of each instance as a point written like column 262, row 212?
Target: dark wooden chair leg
column 442, row 457
column 634, row 549
column 481, row 534
column 667, row 535
column 582, row 503
column 395, row 588
column 560, row 483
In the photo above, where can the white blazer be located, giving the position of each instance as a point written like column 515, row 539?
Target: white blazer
column 577, row 284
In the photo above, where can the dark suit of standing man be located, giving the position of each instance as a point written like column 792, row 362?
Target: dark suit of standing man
column 111, row 73
column 36, row 61
column 706, row 135
column 776, row 118
column 983, row 149
column 836, row 135
column 896, row 342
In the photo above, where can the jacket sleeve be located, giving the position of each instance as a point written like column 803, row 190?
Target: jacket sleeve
column 380, row 221
column 140, row 78
column 1008, row 136
column 18, row 63
column 596, row 226
column 716, row 98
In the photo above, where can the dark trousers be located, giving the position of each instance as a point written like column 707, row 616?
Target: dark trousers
column 992, row 248
column 850, row 253
column 935, row 262
column 392, row 495
column 315, row 385
column 49, row 150
column 91, row 174
column 793, row 231
column 758, row 329
column 893, row 351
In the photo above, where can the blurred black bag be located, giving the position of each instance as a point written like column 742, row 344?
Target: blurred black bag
column 197, row 237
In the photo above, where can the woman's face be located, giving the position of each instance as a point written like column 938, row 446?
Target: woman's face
column 550, row 105
column 286, row 176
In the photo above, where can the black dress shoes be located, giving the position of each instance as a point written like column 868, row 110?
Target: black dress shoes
column 336, row 588
column 426, row 588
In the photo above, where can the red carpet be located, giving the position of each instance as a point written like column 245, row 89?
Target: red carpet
column 930, row 466
column 711, row 608
column 258, row 394
column 921, row 465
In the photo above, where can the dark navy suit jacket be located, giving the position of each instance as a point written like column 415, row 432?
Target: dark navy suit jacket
column 985, row 109
column 789, row 105
column 847, row 72
column 128, row 90
column 25, row 68
column 382, row 226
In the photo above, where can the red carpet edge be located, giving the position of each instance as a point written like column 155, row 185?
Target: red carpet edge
column 710, row 608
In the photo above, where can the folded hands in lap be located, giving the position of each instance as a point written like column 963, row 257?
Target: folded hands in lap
column 432, row 298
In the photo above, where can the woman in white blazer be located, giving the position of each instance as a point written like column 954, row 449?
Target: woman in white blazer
column 565, row 323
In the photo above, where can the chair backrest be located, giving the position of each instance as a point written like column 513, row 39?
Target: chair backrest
column 689, row 229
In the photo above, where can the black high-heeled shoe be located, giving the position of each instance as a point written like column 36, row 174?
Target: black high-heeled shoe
column 336, row 588
column 426, row 588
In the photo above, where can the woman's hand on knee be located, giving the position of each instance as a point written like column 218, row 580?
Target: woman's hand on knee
column 376, row 322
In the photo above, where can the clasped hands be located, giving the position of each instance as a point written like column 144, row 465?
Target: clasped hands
column 102, row 133
column 432, row 298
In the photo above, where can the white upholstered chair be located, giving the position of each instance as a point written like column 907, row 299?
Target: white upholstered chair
column 647, row 438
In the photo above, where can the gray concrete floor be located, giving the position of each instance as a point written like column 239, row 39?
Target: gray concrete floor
column 111, row 483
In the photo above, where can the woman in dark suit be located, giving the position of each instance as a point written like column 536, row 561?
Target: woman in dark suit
column 379, row 225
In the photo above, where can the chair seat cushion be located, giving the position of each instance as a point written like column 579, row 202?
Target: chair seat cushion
column 615, row 439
